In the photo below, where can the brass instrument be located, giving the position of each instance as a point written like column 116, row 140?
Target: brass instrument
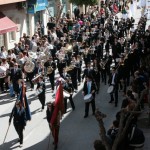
column 68, row 49
column 49, row 70
column 29, row 66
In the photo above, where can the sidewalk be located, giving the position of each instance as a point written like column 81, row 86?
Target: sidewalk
column 144, row 125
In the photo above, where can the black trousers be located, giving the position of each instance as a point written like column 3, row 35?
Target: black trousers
column 42, row 99
column 30, row 77
column 2, row 82
column 51, row 78
column 87, row 107
column 71, row 102
column 19, row 129
column 115, row 93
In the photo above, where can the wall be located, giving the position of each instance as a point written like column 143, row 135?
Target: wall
column 18, row 17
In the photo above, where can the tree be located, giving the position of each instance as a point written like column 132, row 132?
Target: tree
column 123, row 124
column 84, row 2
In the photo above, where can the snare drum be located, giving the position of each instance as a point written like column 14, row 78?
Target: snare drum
column 88, row 98
column 110, row 89
column 66, row 94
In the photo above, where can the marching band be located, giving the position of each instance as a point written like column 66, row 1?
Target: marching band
column 68, row 51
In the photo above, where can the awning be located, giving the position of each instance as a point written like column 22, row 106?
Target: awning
column 6, row 25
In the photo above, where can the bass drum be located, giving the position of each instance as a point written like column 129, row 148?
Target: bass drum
column 2, row 72
column 29, row 66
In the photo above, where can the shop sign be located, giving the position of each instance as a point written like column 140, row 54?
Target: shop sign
column 36, row 5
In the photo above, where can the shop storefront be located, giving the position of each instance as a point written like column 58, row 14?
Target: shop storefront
column 37, row 11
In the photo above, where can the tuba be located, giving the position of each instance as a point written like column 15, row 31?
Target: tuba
column 29, row 66
column 49, row 70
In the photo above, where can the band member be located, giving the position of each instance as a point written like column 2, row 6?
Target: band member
column 56, row 125
column 96, row 68
column 30, row 76
column 88, row 71
column 41, row 95
column 113, row 80
column 65, row 74
column 51, row 67
column 19, row 115
column 68, row 87
column 103, row 70
column 15, row 75
column 89, row 88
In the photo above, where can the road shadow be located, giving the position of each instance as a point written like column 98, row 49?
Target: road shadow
column 9, row 145
column 45, row 144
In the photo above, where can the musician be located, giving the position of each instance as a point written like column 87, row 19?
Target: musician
column 88, row 72
column 86, row 56
column 96, row 68
column 78, row 64
column 113, row 80
column 68, row 87
column 19, row 115
column 116, row 50
column 89, row 88
column 30, row 76
column 60, row 65
column 14, row 76
column 41, row 96
column 51, row 67
column 65, row 74
column 103, row 70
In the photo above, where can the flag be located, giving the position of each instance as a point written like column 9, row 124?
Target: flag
column 23, row 99
column 59, row 104
column 115, row 8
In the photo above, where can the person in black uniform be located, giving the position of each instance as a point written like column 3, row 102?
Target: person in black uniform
column 103, row 70
column 68, row 87
column 113, row 80
column 19, row 115
column 96, row 68
column 88, row 71
column 41, row 95
column 51, row 67
column 15, row 75
column 89, row 88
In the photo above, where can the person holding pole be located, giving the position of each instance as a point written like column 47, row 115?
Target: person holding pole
column 19, row 119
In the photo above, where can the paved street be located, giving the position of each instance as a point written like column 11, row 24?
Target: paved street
column 76, row 132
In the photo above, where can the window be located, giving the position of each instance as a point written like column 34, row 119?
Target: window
column 12, row 36
column 2, row 40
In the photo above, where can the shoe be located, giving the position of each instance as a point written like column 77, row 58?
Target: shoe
column 21, row 145
column 93, row 114
column 18, row 140
column 85, row 116
column 55, row 148
column 13, row 95
column 73, row 108
column 115, row 105
column 110, row 101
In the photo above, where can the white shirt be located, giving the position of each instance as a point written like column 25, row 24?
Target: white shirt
column 113, row 79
